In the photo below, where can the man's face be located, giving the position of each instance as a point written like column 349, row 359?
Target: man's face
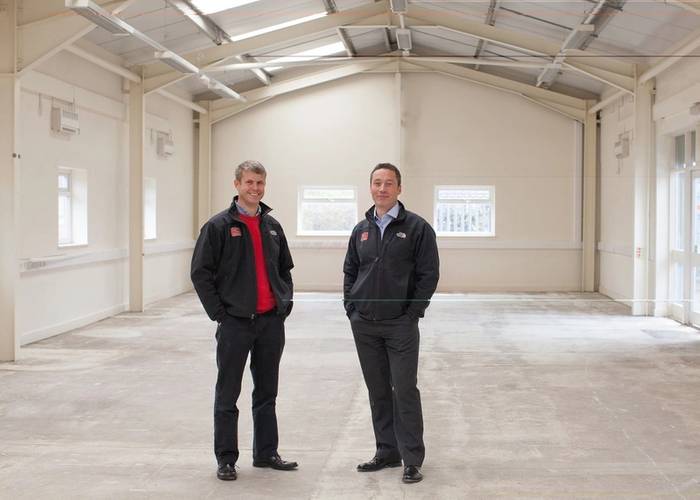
column 251, row 188
column 385, row 189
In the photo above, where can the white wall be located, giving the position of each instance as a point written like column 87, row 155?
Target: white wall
column 87, row 283
column 616, row 238
column 455, row 132
column 167, row 261
column 677, row 89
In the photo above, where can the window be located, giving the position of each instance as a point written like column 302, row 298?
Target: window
column 72, row 207
column 149, row 208
column 327, row 210
column 679, row 143
column 65, row 208
column 465, row 210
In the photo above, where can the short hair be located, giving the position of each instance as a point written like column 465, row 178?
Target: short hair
column 387, row 166
column 250, row 166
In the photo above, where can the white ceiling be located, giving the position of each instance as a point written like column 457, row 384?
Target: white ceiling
column 640, row 31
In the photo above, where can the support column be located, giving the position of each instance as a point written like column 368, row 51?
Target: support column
column 590, row 199
column 9, row 103
column 203, row 176
column 642, row 155
column 136, row 140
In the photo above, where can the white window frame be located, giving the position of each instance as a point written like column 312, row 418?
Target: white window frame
column 150, row 218
column 300, row 207
column 465, row 234
column 78, row 193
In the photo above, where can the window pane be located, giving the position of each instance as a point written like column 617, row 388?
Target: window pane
column 328, row 216
column 329, row 194
column 64, row 219
column 696, row 215
column 678, row 200
column 680, row 151
column 464, row 210
column 63, row 181
column 692, row 148
column 149, row 208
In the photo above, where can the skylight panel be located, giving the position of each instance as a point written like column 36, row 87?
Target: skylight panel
column 211, row 6
column 279, row 26
column 307, row 55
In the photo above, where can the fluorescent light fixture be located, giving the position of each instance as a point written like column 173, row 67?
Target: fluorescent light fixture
column 398, row 6
column 176, row 62
column 211, row 6
column 307, row 55
column 403, row 39
column 99, row 16
column 577, row 36
column 276, row 27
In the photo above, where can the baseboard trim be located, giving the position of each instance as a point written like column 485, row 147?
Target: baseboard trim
column 50, row 331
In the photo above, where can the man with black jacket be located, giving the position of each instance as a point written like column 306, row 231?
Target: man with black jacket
column 241, row 272
column 391, row 272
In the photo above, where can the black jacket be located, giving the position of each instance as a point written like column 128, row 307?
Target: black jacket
column 388, row 277
column 223, row 265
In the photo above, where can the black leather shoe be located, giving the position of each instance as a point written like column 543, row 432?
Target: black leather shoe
column 226, row 472
column 412, row 474
column 275, row 462
column 377, row 463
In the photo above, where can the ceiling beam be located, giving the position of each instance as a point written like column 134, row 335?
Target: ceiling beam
column 605, row 102
column 330, row 6
column 693, row 7
column 158, row 74
column 678, row 51
column 204, row 23
column 522, row 42
column 620, row 82
column 347, row 43
column 40, row 40
column 184, row 102
column 551, row 101
column 103, row 63
column 499, row 82
column 323, row 61
column 213, row 31
column 491, row 21
column 579, row 37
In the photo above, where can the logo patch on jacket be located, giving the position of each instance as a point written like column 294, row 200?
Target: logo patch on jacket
column 273, row 232
column 401, row 235
column 235, row 232
column 364, row 236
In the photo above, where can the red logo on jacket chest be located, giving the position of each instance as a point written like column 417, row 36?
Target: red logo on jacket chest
column 235, row 231
column 364, row 236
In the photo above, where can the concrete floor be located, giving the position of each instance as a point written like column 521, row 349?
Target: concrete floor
column 524, row 395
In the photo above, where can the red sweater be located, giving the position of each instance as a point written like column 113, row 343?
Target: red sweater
column 266, row 300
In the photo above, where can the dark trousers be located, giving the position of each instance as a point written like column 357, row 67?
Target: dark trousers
column 263, row 337
column 388, row 352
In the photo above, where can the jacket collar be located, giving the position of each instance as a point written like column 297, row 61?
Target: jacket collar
column 402, row 213
column 233, row 210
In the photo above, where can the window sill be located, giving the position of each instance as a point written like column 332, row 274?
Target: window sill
column 323, row 234
column 465, row 235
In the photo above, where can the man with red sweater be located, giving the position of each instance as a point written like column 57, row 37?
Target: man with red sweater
column 241, row 271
